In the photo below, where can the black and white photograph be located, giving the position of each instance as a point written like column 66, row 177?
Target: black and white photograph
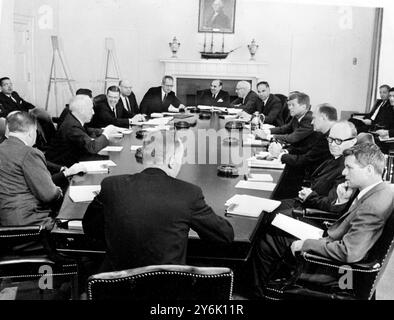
column 196, row 157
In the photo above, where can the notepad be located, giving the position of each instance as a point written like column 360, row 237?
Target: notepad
column 234, row 111
column 248, row 142
column 265, row 164
column 252, row 185
column 157, row 115
column 75, row 225
column 112, row 149
column 98, row 166
column 135, row 148
column 386, row 139
column 84, row 193
column 297, row 228
column 248, row 206
column 253, row 177
column 158, row 121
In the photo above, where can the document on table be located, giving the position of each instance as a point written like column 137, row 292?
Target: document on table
column 98, row 166
column 158, row 121
column 297, row 228
column 111, row 149
column 254, row 177
column 248, row 206
column 252, row 185
column 265, row 164
column 135, row 148
column 84, row 193
column 386, row 139
column 251, row 142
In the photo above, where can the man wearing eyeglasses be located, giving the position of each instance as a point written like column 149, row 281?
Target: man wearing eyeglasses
column 161, row 99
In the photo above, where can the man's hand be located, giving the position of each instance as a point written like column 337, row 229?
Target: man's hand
column 245, row 116
column 74, row 170
column 296, row 246
column 344, row 193
column 368, row 122
column 304, row 194
column 137, row 118
column 173, row 109
column 182, row 107
column 112, row 131
column 384, row 134
column 275, row 149
column 263, row 134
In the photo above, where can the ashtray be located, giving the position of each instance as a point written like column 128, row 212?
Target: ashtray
column 205, row 116
column 180, row 125
column 194, row 110
column 231, row 142
column 139, row 156
column 234, row 125
column 228, row 171
column 140, row 134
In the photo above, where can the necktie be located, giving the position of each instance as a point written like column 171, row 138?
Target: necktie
column 114, row 110
column 165, row 97
column 13, row 99
column 128, row 104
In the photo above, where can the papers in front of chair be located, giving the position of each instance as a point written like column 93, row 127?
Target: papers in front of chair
column 84, row 193
column 297, row 228
column 98, row 166
column 265, row 164
column 386, row 139
column 234, row 111
column 157, row 121
column 252, row 142
column 157, row 115
column 248, row 206
column 252, row 185
column 111, row 149
column 254, row 177
column 135, row 148
column 75, row 225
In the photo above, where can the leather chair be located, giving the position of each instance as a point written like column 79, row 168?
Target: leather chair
column 23, row 252
column 285, row 113
column 162, row 283
column 317, row 277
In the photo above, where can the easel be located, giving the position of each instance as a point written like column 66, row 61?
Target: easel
column 110, row 54
column 53, row 75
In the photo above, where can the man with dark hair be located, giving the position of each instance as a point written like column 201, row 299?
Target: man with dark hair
column 161, row 99
column 151, row 227
column 247, row 100
column 380, row 115
column 127, row 98
column 215, row 96
column 26, row 188
column 389, row 131
column 271, row 105
column 73, row 142
column 10, row 100
column 110, row 112
column 299, row 128
column 352, row 235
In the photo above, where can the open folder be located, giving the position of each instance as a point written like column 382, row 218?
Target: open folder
column 297, row 228
column 93, row 167
column 84, row 193
column 248, row 206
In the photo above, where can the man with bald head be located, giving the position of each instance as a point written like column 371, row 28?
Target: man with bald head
column 215, row 96
column 247, row 100
column 127, row 98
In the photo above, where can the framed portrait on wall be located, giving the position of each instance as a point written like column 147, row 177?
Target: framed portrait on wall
column 217, row 16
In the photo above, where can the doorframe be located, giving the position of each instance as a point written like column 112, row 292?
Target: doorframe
column 30, row 22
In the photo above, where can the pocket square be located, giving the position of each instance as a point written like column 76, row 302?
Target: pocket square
column 220, row 100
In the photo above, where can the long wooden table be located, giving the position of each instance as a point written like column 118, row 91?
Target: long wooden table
column 216, row 190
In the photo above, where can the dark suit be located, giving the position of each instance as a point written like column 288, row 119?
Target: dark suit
column 7, row 105
column 250, row 104
column 295, row 131
column 153, row 101
column 384, row 119
column 72, row 143
column 151, row 227
column 206, row 99
column 272, row 111
column 134, row 109
column 26, row 187
column 104, row 116
column 348, row 240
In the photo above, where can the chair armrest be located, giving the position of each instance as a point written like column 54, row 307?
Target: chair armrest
column 20, row 232
column 321, row 215
column 359, row 114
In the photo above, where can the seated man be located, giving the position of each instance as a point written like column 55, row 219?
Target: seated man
column 353, row 235
column 27, row 192
column 10, row 100
column 316, row 151
column 299, row 128
column 145, row 218
column 271, row 106
column 127, row 98
column 161, row 99
column 73, row 142
column 380, row 115
column 215, row 96
column 110, row 112
column 389, row 132
column 322, row 192
column 247, row 100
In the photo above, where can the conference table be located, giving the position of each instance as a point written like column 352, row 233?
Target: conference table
column 206, row 149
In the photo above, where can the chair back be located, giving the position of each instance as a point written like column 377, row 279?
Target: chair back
column 162, row 283
column 285, row 113
column 14, row 238
column 99, row 99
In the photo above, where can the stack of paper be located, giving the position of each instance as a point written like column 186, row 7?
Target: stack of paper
column 297, row 228
column 251, row 142
column 111, row 149
column 157, row 121
column 234, row 111
column 205, row 108
column 244, row 205
column 265, row 164
column 135, row 148
column 252, row 185
column 253, row 177
column 84, row 193
column 386, row 139
column 98, row 166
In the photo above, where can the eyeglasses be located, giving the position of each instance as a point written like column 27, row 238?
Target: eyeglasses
column 337, row 141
